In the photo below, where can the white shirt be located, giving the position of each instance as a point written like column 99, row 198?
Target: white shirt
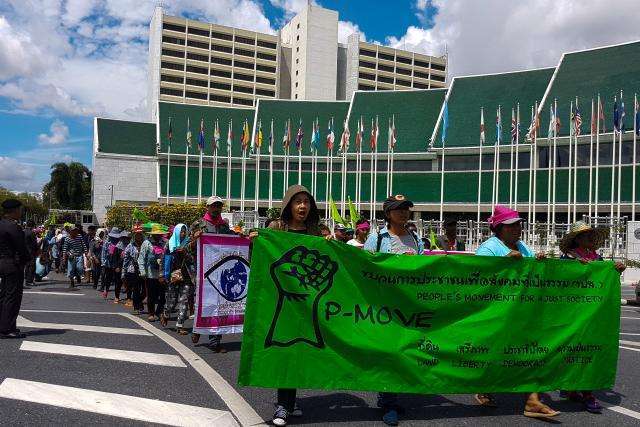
column 354, row 242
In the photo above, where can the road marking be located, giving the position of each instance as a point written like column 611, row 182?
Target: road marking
column 69, row 311
column 624, row 411
column 636, row 318
column 104, row 353
column 629, row 348
column 631, row 343
column 628, row 333
column 52, row 293
column 113, row 404
column 234, row 401
column 25, row 323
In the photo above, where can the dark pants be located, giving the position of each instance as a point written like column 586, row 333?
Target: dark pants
column 155, row 297
column 30, row 271
column 111, row 277
column 387, row 401
column 10, row 299
column 95, row 275
column 287, row 398
column 134, row 284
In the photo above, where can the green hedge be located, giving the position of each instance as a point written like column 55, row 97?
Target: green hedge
column 121, row 215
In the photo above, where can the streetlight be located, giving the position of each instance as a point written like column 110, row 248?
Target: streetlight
column 111, row 189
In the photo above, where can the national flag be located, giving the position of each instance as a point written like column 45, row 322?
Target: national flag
column 601, row 115
column 532, row 132
column 374, row 138
column 637, row 117
column 286, row 137
column 393, row 138
column 315, row 135
column 244, row 139
column 344, row 139
column 577, row 122
column 498, row 126
column 271, row 138
column 201, row 136
column 188, row 133
column 514, row 127
column 230, row 136
column 594, row 126
column 616, row 116
column 445, row 122
column 358, row 134
column 622, row 114
column 331, row 136
column 170, row 133
column 482, row 136
column 551, row 123
column 299, row 136
column 216, row 136
column 257, row 140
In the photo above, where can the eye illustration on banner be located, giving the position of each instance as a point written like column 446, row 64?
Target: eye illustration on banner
column 301, row 276
column 229, row 277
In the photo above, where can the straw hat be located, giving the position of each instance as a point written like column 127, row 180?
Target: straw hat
column 582, row 227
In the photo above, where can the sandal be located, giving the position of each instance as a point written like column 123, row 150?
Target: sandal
column 540, row 410
column 485, row 400
column 164, row 320
column 183, row 332
column 151, row 318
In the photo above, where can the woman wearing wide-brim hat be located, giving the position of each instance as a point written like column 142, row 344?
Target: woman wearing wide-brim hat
column 149, row 263
column 582, row 243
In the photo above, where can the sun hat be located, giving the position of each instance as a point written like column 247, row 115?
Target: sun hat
column 396, row 202
column 577, row 228
column 158, row 229
column 214, row 199
column 364, row 226
column 115, row 232
column 503, row 215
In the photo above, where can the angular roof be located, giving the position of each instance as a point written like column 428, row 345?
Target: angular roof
column 125, row 137
column 468, row 95
column 585, row 74
column 415, row 113
column 301, row 111
column 179, row 114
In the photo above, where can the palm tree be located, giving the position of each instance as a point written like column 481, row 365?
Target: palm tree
column 70, row 185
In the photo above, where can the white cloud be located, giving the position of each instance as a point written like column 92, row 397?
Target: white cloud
column 59, row 134
column 17, row 176
column 503, row 35
column 292, row 7
column 19, row 55
column 346, row 28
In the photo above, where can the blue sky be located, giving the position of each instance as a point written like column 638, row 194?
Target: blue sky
column 63, row 62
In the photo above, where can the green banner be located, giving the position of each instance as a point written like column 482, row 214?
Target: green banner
column 325, row 315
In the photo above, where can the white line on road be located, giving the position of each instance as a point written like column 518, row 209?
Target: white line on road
column 69, row 311
column 25, row 323
column 234, row 401
column 635, row 318
column 628, row 333
column 631, row 343
column 117, row 405
column 66, row 294
column 104, row 353
column 629, row 348
column 624, row 411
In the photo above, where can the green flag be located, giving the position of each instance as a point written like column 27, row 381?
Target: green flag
column 354, row 216
column 324, row 315
column 335, row 215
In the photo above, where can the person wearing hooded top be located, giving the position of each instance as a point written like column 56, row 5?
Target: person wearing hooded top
column 211, row 222
column 300, row 215
column 131, row 268
column 149, row 264
column 111, row 261
column 177, row 258
column 506, row 225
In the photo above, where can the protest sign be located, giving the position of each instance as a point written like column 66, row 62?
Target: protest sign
column 223, row 273
column 324, row 315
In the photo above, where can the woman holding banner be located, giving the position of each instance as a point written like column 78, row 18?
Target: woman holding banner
column 506, row 225
column 177, row 262
column 395, row 238
column 300, row 215
column 582, row 243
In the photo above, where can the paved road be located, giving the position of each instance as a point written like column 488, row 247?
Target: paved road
column 86, row 360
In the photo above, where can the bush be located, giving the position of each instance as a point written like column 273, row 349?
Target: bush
column 121, row 215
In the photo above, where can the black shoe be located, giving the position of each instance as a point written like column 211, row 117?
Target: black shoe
column 13, row 335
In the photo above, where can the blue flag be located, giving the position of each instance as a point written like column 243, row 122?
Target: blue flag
column 445, row 121
column 201, row 135
column 616, row 116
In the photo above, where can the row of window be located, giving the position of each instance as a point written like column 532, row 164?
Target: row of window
column 217, row 73
column 203, row 96
column 217, row 60
column 217, row 35
column 218, row 85
column 217, row 48
column 403, row 71
column 416, row 85
column 404, row 60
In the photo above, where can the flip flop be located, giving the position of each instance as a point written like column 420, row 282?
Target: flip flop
column 542, row 406
column 485, row 400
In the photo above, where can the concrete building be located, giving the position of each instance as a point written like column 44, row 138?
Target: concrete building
column 193, row 62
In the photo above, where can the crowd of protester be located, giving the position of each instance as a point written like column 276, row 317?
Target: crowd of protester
column 151, row 267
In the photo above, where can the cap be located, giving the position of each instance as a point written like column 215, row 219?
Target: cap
column 11, row 204
column 396, row 202
column 340, row 227
column 214, row 199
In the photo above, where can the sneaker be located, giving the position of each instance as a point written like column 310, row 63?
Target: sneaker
column 280, row 416
column 390, row 417
column 297, row 412
column 592, row 405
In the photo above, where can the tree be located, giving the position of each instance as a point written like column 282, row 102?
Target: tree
column 70, row 186
column 33, row 207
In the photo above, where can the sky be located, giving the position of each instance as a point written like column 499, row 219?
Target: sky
column 64, row 62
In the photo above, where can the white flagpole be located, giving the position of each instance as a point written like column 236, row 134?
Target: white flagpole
column 214, row 171
column 229, row 147
column 620, row 156
column 531, row 148
column 186, row 173
column 285, row 177
column 388, row 156
column 533, row 163
column 613, row 169
column 243, row 178
column 257, row 179
column 393, row 149
column 271, row 138
column 591, row 157
column 343, row 192
column 327, row 194
column 555, row 157
column 575, row 170
column 168, row 169
column 633, row 167
column 375, row 172
column 596, row 186
column 200, row 176
column 511, row 163
column 549, row 181
column 371, row 174
column 480, row 169
column 515, row 182
column 299, row 158
column 493, row 178
column 569, row 169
